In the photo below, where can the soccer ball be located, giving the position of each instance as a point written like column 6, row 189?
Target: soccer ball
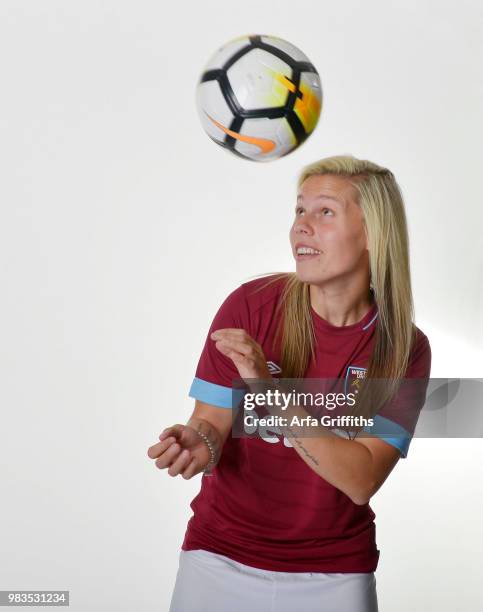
column 259, row 97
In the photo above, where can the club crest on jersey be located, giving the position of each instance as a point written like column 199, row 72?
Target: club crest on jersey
column 273, row 368
column 353, row 378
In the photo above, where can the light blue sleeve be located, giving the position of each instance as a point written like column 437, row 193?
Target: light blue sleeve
column 217, row 395
column 390, row 432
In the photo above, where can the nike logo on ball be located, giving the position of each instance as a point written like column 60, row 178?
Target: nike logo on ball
column 265, row 145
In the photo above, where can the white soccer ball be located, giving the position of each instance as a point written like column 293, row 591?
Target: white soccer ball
column 259, row 97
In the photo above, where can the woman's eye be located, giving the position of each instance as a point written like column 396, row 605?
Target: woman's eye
column 299, row 210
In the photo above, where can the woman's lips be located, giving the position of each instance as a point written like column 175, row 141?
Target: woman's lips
column 300, row 257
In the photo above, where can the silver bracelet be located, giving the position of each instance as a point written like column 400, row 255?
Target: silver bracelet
column 211, row 462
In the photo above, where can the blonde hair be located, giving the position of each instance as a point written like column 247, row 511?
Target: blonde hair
column 381, row 203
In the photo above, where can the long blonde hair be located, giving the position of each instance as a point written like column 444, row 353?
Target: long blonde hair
column 384, row 216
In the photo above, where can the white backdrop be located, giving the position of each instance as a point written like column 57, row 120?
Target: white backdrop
column 124, row 228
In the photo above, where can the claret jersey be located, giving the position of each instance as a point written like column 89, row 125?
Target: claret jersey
column 263, row 506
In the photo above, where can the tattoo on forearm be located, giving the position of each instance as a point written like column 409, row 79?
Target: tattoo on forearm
column 301, row 446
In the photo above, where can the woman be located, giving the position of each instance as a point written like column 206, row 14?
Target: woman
column 281, row 520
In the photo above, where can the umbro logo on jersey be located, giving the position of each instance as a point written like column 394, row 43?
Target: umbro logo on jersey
column 273, row 368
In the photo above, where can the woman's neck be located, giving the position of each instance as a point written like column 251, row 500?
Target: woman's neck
column 340, row 307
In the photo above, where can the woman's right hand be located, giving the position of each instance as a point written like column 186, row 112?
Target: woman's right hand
column 182, row 450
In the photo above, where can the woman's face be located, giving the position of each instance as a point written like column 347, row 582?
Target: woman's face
column 329, row 220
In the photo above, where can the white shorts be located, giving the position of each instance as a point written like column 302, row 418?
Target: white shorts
column 209, row 582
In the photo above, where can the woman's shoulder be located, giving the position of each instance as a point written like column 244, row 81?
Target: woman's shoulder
column 420, row 356
column 421, row 341
column 265, row 290
column 252, row 297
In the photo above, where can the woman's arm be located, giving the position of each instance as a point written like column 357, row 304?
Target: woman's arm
column 183, row 451
column 356, row 467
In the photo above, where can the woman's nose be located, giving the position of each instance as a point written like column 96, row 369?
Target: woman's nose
column 302, row 227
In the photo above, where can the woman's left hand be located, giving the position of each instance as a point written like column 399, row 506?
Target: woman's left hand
column 241, row 348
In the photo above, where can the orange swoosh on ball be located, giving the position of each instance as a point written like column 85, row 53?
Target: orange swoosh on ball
column 265, row 145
